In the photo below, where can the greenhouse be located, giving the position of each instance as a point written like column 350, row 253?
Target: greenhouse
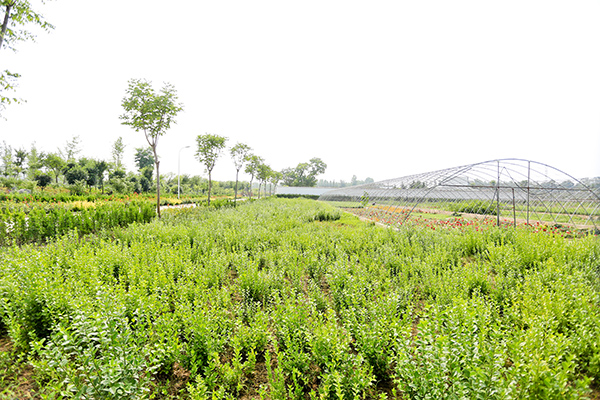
column 507, row 191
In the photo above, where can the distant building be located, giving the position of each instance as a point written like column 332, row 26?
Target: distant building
column 315, row 191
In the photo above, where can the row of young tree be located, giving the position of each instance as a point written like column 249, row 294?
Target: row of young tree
column 145, row 110
column 26, row 168
column 152, row 112
column 29, row 168
column 18, row 165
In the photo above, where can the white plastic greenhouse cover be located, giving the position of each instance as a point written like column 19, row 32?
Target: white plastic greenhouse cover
column 511, row 188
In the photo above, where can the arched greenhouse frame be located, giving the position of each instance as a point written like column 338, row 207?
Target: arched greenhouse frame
column 507, row 191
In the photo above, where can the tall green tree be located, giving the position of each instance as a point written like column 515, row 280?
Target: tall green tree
column 117, row 153
column 264, row 173
column 16, row 16
column 35, row 161
column 274, row 180
column 316, row 167
column 209, row 148
column 94, row 170
column 252, row 168
column 8, row 163
column 20, row 162
column 305, row 174
column 144, row 158
column 42, row 180
column 75, row 173
column 239, row 154
column 71, row 150
column 295, row 176
column 153, row 113
column 53, row 162
column 101, row 167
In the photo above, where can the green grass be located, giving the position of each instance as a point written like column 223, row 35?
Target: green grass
column 293, row 299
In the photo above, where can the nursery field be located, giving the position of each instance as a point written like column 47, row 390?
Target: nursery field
column 294, row 299
column 397, row 214
column 37, row 219
column 435, row 218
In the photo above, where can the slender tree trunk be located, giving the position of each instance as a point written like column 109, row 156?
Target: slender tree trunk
column 157, row 186
column 236, row 185
column 251, row 179
column 209, row 186
column 5, row 23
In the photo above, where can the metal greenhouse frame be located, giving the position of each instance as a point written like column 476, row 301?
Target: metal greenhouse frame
column 507, row 190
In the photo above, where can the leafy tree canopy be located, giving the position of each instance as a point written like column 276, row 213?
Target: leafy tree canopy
column 144, row 158
column 72, row 149
column 209, row 149
column 6, row 156
column 152, row 113
column 239, row 153
column 76, row 173
column 305, row 174
column 148, row 111
column 35, row 161
column 264, row 172
column 54, row 163
column 43, row 180
column 17, row 16
column 253, row 165
column 117, row 153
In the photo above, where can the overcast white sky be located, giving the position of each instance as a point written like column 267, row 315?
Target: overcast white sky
column 378, row 89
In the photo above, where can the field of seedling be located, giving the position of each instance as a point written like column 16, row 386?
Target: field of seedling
column 438, row 218
column 295, row 299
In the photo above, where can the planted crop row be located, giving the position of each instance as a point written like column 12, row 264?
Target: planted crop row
column 66, row 197
column 432, row 219
column 291, row 299
column 35, row 224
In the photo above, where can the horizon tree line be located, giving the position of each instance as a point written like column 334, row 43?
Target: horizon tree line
column 152, row 113
column 64, row 166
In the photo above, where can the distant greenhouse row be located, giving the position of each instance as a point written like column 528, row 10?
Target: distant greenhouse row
column 511, row 190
